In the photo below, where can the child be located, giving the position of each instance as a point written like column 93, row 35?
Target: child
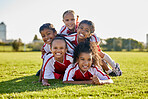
column 70, row 26
column 48, row 32
column 69, row 21
column 84, row 70
column 55, row 64
column 85, row 30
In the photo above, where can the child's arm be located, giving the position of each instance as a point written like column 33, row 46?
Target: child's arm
column 40, row 76
column 43, row 51
column 79, row 82
column 97, row 81
column 45, row 82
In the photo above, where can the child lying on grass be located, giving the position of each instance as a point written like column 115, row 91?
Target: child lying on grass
column 84, row 69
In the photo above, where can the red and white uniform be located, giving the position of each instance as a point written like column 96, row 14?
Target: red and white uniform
column 46, row 48
column 53, row 69
column 74, row 39
column 73, row 73
column 70, row 46
column 65, row 31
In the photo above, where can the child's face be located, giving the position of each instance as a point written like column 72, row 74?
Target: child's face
column 85, row 61
column 83, row 31
column 47, row 35
column 69, row 21
column 58, row 49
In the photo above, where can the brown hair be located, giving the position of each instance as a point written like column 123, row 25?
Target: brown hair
column 90, row 23
column 68, row 11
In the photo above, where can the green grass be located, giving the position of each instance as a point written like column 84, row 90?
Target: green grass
column 18, row 69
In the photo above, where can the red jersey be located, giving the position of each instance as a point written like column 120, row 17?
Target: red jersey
column 74, row 39
column 51, row 66
column 65, row 31
column 73, row 73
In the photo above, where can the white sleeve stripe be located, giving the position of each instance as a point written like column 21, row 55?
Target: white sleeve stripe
column 102, row 73
column 70, row 71
column 63, row 30
column 45, row 66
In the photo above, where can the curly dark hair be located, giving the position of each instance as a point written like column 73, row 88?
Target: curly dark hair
column 87, row 47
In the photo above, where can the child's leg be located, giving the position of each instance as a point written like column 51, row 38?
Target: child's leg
column 115, row 66
column 106, row 67
column 109, row 60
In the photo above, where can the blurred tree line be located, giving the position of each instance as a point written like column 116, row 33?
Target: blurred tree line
column 17, row 45
column 110, row 44
column 118, row 44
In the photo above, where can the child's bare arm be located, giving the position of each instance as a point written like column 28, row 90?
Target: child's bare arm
column 40, row 76
column 97, row 81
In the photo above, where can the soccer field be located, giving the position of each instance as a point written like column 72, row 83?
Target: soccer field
column 18, row 69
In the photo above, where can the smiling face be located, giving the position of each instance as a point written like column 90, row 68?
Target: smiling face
column 85, row 61
column 48, row 35
column 58, row 49
column 69, row 21
column 83, row 32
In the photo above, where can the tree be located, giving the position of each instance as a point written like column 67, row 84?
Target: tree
column 118, row 44
column 15, row 45
column 35, row 38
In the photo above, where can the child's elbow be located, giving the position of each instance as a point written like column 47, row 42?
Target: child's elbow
column 111, row 81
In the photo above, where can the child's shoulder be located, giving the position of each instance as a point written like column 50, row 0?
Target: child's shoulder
column 63, row 29
column 95, row 38
column 69, row 55
column 46, row 47
column 49, row 57
column 72, row 67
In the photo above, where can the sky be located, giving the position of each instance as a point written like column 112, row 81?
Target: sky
column 112, row 18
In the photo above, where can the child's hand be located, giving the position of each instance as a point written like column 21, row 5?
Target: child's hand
column 96, row 80
column 45, row 82
column 43, row 51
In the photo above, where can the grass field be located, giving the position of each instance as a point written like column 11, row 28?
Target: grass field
column 18, row 69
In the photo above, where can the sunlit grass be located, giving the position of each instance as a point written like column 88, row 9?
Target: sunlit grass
column 18, row 69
